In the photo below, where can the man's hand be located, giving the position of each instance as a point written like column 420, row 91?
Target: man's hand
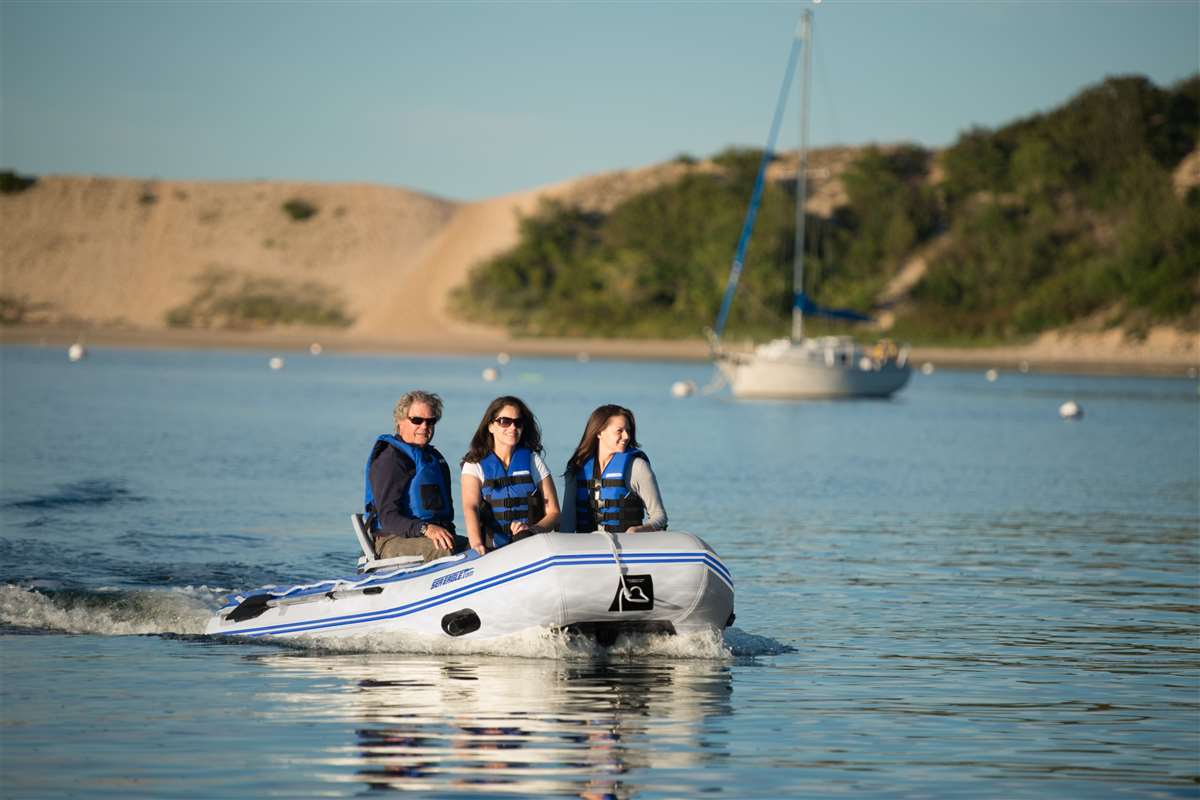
column 439, row 536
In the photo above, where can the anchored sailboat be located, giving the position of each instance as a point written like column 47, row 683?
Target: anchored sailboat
column 799, row 367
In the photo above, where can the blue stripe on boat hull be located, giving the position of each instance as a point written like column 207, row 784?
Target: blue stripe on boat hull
column 713, row 564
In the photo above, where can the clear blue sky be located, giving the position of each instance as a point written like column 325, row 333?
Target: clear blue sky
column 471, row 100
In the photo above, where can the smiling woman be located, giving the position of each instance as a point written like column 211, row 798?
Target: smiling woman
column 608, row 483
column 507, row 490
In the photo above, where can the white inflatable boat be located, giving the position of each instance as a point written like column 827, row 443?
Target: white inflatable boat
column 598, row 584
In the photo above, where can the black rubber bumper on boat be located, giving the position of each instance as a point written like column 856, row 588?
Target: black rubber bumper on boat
column 460, row 623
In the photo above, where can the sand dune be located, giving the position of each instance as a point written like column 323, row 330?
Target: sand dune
column 118, row 252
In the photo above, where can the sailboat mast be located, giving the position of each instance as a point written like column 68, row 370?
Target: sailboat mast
column 799, row 299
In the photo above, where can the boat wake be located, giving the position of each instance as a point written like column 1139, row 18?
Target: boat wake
column 86, row 493
column 108, row 612
column 542, row 643
column 185, row 611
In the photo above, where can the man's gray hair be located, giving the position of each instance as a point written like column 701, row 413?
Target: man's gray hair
column 417, row 396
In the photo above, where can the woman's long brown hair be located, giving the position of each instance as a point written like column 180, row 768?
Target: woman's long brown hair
column 596, row 422
column 482, row 443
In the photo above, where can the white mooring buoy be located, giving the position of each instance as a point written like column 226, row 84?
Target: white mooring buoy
column 76, row 352
column 683, row 388
column 490, row 374
column 1070, row 410
column 275, row 363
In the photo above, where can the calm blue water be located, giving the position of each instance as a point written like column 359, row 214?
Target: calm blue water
column 953, row 594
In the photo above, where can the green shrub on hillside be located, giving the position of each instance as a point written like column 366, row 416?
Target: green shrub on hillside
column 299, row 209
column 225, row 299
column 740, row 160
column 12, row 183
column 655, row 266
column 1067, row 214
column 15, row 310
column 891, row 211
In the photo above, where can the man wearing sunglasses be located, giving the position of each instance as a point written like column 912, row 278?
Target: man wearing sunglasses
column 408, row 504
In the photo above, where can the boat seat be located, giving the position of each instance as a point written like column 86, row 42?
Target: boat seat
column 370, row 561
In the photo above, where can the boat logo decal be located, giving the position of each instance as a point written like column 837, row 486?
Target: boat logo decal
column 452, row 577
column 634, row 593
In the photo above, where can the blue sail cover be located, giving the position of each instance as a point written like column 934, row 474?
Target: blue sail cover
column 807, row 306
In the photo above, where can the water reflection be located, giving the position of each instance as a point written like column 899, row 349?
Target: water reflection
column 523, row 727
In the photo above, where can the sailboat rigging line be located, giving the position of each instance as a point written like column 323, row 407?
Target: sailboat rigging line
column 829, row 108
column 735, row 269
column 801, row 184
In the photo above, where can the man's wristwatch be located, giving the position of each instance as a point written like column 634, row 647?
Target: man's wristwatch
column 424, row 527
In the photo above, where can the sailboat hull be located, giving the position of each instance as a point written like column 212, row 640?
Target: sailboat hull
column 812, row 370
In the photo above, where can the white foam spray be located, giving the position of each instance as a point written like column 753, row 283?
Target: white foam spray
column 186, row 611
column 109, row 612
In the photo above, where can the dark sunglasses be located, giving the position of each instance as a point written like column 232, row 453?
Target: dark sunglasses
column 418, row 421
column 505, row 422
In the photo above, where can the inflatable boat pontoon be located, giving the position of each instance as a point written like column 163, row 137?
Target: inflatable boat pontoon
column 596, row 583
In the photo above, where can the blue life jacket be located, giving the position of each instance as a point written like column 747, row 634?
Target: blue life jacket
column 619, row 507
column 428, row 495
column 510, row 493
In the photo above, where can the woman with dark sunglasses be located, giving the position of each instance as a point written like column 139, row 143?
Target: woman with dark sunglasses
column 507, row 490
column 608, row 482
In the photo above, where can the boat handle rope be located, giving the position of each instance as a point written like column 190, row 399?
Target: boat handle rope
column 611, row 538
